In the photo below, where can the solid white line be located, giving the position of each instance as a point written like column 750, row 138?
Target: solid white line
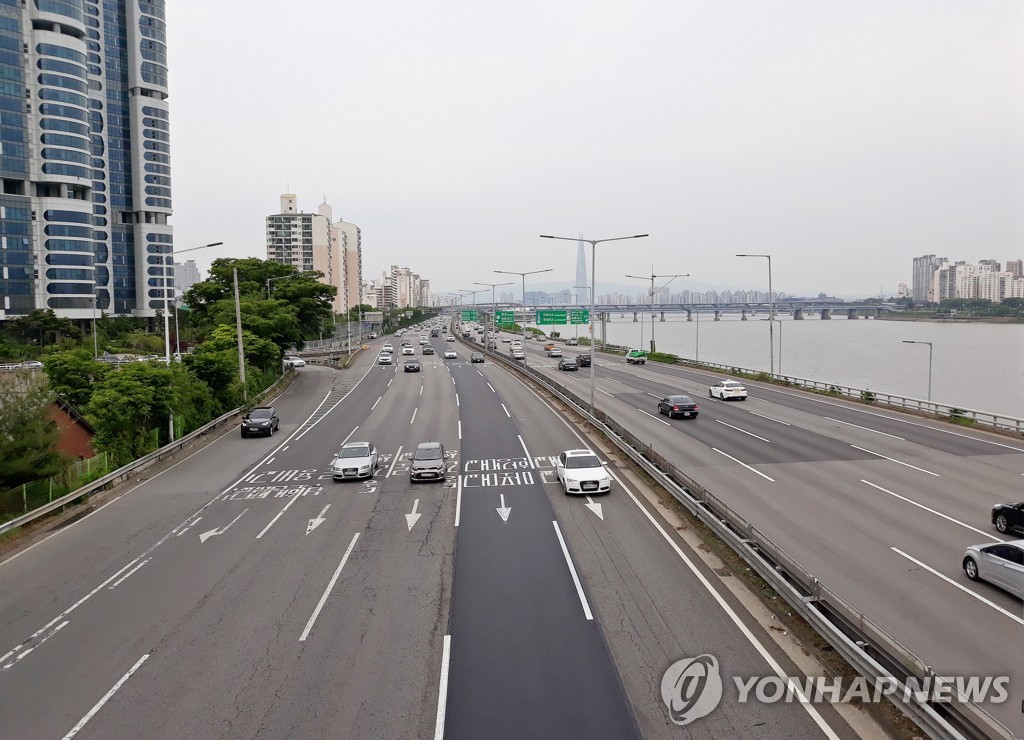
column 604, row 392
column 494, row 391
column 966, row 590
column 327, row 591
column 506, row 411
column 442, row 691
column 743, row 464
column 933, row 511
column 106, row 697
column 866, row 429
column 654, row 417
column 392, row 468
column 898, row 462
column 460, row 428
column 575, row 577
column 345, row 441
column 784, row 423
column 529, row 457
column 457, row 399
column 458, row 502
column 413, row 415
column 274, row 520
column 421, row 390
column 744, row 431
column 375, row 403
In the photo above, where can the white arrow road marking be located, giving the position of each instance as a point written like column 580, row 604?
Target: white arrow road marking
column 596, row 508
column 316, row 522
column 221, row 530
column 414, row 517
column 504, row 511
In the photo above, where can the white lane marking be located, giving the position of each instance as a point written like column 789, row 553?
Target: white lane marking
column 345, row 441
column 56, row 629
column 458, row 501
column 305, row 431
column 898, row 462
column 389, row 383
column 604, row 392
column 653, row 395
column 317, row 520
column 479, row 373
column 866, row 429
column 895, row 419
column 413, row 415
column 106, row 697
column 457, row 399
column 503, row 511
column 572, row 569
column 375, row 403
column 743, row 464
column 596, row 508
column 777, row 421
column 744, row 431
column 494, row 391
column 414, row 516
column 654, row 417
column 453, row 377
column 327, row 591
column 116, row 583
column 392, row 468
column 442, row 690
column 421, row 390
column 933, row 511
column 194, row 523
column 529, row 457
column 284, row 448
column 460, row 428
column 506, row 411
column 818, row 719
column 279, row 515
column 270, row 461
column 966, row 590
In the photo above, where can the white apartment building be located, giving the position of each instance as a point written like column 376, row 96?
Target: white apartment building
column 186, row 275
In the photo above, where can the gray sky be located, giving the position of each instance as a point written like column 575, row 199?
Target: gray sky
column 844, row 138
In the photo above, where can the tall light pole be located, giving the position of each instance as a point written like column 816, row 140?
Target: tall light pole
column 911, row 341
column 771, row 309
column 95, row 340
column 780, row 343
column 494, row 308
column 651, row 277
column 523, row 276
column 593, row 289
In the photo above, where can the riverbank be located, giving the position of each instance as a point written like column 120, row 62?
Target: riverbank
column 954, row 319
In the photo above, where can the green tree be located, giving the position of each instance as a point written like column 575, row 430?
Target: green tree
column 42, row 326
column 74, row 374
column 27, row 433
column 121, row 412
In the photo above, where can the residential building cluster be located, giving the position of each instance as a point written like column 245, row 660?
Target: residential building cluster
column 85, row 168
column 400, row 287
column 936, row 279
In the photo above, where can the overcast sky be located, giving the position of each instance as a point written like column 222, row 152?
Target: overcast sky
column 843, row 138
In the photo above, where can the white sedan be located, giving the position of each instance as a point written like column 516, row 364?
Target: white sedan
column 449, row 354
column 726, row 389
column 580, row 471
column 407, row 351
column 294, row 361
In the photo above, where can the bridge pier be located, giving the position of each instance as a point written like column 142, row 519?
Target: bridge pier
column 662, row 316
column 826, row 314
column 635, row 319
column 744, row 316
column 851, row 313
column 689, row 315
column 798, row 314
column 718, row 315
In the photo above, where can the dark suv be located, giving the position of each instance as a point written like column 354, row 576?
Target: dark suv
column 261, row 420
column 427, row 462
column 583, row 360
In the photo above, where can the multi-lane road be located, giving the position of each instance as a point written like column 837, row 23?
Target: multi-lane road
column 238, row 592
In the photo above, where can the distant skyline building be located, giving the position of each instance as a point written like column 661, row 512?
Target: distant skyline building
column 582, row 284
column 84, row 159
column 922, row 281
column 186, row 275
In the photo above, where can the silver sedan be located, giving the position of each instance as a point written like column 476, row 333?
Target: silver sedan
column 999, row 563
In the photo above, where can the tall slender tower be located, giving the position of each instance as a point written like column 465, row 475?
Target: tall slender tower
column 582, row 291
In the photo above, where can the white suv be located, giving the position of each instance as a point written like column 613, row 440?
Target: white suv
column 581, row 471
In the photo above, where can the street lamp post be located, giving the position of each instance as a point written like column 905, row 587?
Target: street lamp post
column 593, row 289
column 523, row 276
column 780, row 343
column 493, row 309
column 95, row 340
column 911, row 341
column 771, row 308
column 651, row 277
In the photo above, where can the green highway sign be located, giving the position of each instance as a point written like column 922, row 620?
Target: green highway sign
column 504, row 318
column 556, row 318
column 469, row 315
column 579, row 316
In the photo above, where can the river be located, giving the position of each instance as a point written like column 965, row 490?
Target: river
column 974, row 365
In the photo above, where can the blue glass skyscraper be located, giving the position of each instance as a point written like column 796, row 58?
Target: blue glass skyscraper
column 84, row 158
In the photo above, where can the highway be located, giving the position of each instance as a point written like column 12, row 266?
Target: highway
column 877, row 504
column 238, row 592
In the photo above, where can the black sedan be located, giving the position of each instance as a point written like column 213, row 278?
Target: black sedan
column 412, row 366
column 567, row 364
column 1008, row 517
column 673, row 406
column 476, row 357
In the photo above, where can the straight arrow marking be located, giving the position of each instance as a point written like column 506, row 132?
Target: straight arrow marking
column 221, row 530
column 596, row 508
column 504, row 511
column 414, row 517
column 317, row 521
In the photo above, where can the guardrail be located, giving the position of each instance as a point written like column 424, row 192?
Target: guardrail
column 871, row 651
column 126, row 471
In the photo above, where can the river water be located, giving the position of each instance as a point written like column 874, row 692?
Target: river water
column 974, row 366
